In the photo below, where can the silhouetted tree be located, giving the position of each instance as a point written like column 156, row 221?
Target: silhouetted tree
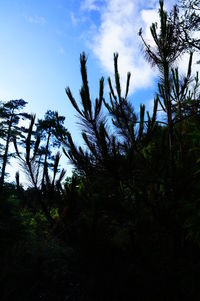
column 47, row 129
column 33, row 165
column 189, row 24
column 10, row 115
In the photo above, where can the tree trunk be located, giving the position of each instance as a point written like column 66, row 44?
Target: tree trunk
column 5, row 156
column 45, row 158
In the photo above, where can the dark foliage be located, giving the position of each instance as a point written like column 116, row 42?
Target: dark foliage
column 125, row 225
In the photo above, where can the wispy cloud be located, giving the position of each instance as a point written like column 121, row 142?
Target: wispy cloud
column 91, row 5
column 77, row 20
column 74, row 19
column 35, row 19
column 61, row 50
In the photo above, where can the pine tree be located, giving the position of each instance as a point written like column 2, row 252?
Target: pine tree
column 47, row 129
column 104, row 147
column 10, row 115
column 45, row 194
column 189, row 24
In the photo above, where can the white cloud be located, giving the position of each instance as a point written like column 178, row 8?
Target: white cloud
column 120, row 21
column 90, row 5
column 35, row 19
column 74, row 19
column 148, row 17
column 118, row 32
column 77, row 20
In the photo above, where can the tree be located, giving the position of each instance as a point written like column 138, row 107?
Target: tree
column 123, row 202
column 32, row 163
column 133, row 194
column 167, row 50
column 174, row 91
column 189, row 24
column 10, row 115
column 103, row 148
column 47, row 129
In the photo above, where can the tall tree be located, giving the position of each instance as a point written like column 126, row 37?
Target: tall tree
column 167, row 50
column 108, row 154
column 47, row 129
column 33, row 165
column 174, row 90
column 10, row 114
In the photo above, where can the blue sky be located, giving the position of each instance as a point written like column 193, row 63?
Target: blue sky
column 41, row 41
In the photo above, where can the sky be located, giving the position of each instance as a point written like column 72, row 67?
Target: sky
column 41, row 42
